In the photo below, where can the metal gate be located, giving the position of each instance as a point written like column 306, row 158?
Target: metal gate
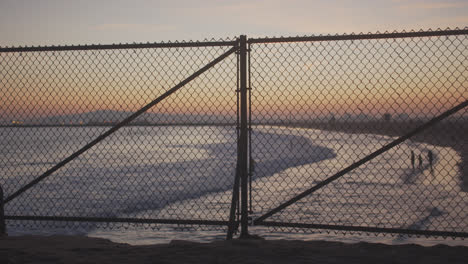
column 361, row 133
column 355, row 125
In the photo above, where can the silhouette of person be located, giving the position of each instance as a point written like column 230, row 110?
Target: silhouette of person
column 420, row 161
column 412, row 159
column 431, row 158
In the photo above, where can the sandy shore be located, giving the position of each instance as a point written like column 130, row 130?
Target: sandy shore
column 447, row 134
column 77, row 249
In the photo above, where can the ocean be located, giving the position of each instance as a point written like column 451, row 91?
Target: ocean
column 187, row 172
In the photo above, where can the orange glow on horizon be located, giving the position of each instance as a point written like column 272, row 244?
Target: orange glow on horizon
column 301, row 80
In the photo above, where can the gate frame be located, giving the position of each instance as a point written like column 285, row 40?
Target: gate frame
column 234, row 48
column 439, row 33
column 242, row 192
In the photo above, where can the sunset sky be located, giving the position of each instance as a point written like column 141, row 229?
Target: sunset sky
column 42, row 84
column 47, row 22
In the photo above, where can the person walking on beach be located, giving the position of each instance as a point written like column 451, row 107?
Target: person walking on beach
column 412, row 159
column 431, row 159
column 420, row 161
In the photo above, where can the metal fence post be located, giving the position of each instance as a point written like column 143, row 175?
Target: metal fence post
column 243, row 148
column 2, row 214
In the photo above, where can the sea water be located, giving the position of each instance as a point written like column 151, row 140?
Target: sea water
column 187, row 172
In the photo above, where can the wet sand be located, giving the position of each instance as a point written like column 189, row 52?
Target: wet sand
column 77, row 249
column 447, row 134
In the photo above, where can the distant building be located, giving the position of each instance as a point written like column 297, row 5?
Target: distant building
column 17, row 123
column 403, row 117
column 387, row 117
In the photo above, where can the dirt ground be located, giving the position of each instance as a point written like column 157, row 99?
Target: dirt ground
column 80, row 249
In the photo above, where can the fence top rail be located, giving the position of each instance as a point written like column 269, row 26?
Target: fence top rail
column 121, row 46
column 220, row 43
column 386, row 35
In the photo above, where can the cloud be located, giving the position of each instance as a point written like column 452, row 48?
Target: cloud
column 431, row 5
column 444, row 22
column 135, row 27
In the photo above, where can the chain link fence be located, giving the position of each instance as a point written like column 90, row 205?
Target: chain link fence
column 155, row 169
column 320, row 105
column 342, row 134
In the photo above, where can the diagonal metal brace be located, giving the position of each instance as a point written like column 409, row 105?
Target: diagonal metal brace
column 125, row 122
column 371, row 156
column 232, row 225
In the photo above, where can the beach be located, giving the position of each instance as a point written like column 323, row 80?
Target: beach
column 307, row 156
column 82, row 249
column 447, row 134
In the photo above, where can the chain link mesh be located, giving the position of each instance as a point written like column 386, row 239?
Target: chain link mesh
column 317, row 106
column 320, row 106
column 178, row 152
